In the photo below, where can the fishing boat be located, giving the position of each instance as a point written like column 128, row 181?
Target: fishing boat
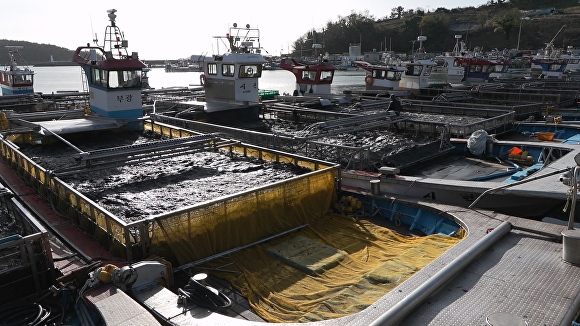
column 231, row 79
column 382, row 77
column 455, row 73
column 312, row 78
column 548, row 63
column 420, row 74
column 508, row 176
column 114, row 76
column 451, row 262
column 15, row 80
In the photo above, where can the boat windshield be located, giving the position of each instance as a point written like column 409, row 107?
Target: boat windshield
column 117, row 78
column 394, row 75
column 22, row 79
column 308, row 75
column 250, row 71
column 414, row 70
column 326, row 75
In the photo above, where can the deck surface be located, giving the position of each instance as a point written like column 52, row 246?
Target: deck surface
column 521, row 276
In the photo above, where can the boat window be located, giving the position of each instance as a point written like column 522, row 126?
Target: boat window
column 113, row 79
column 250, row 71
column 228, row 70
column 104, row 77
column 554, row 67
column 475, row 68
column 487, row 69
column 308, row 75
column 326, row 75
column 124, row 78
column 427, row 71
column 96, row 76
column 212, row 68
column 414, row 70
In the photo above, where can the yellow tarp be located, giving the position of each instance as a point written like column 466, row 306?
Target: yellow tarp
column 378, row 260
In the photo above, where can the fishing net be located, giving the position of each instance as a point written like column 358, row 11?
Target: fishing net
column 335, row 267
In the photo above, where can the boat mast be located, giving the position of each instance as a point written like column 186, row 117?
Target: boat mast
column 114, row 38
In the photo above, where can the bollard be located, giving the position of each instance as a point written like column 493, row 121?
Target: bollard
column 571, row 243
column 376, row 187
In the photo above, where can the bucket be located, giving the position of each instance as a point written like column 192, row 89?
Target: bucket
column 376, row 187
column 571, row 243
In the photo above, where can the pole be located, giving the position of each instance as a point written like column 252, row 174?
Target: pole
column 520, row 33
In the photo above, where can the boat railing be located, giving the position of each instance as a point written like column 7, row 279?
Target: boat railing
column 26, row 264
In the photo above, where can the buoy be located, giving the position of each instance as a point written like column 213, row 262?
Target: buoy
column 369, row 80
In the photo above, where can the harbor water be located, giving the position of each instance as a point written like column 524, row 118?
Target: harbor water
column 68, row 78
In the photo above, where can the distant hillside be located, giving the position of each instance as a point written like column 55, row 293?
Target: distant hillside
column 34, row 53
column 533, row 22
column 478, row 27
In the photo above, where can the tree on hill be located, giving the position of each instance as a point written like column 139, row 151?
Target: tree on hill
column 506, row 22
column 397, row 12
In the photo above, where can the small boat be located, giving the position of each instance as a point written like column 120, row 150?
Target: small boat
column 311, row 78
column 13, row 79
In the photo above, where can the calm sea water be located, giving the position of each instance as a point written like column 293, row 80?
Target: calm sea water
column 60, row 79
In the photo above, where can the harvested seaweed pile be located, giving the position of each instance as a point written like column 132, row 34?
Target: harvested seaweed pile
column 133, row 192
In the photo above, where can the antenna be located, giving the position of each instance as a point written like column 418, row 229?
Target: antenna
column 95, row 39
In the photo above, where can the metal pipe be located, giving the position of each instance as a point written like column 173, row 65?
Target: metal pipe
column 574, row 195
column 234, row 250
column 63, row 140
column 396, row 313
column 514, row 184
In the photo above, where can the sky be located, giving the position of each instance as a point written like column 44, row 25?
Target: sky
column 171, row 29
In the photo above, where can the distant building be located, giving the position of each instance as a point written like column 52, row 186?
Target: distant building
column 355, row 52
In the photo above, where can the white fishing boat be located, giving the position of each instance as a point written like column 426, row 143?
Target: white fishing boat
column 382, row 77
column 230, row 79
column 455, row 73
column 420, row 74
column 15, row 80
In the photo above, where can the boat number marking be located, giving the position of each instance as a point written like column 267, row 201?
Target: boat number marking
column 255, row 85
column 124, row 98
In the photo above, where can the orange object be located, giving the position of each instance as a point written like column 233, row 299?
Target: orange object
column 545, row 135
column 514, row 151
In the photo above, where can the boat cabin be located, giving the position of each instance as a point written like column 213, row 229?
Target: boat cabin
column 417, row 74
column 477, row 69
column 114, row 76
column 231, row 79
column 311, row 78
column 13, row 79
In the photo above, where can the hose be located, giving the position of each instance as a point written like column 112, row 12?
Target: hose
column 31, row 314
